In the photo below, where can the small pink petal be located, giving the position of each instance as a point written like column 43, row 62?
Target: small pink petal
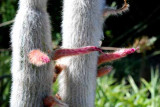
column 45, row 59
column 38, row 58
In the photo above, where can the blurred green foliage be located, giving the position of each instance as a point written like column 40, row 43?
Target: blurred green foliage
column 111, row 93
column 7, row 9
column 5, row 78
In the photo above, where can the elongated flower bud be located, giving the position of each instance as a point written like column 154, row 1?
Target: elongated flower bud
column 112, row 11
column 39, row 58
column 72, row 52
column 103, row 71
column 115, row 55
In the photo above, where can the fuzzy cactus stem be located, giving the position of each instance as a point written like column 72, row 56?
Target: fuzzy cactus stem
column 31, row 30
column 115, row 55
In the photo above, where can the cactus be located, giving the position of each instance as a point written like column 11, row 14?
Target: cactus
column 31, row 30
column 32, row 68
column 81, row 26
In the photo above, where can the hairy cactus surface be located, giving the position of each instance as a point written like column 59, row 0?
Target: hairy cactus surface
column 31, row 30
column 81, row 26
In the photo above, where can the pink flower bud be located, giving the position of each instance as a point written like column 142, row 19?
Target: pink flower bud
column 115, row 55
column 38, row 58
column 72, row 52
column 104, row 70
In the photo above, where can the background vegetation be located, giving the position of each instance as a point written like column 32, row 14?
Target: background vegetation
column 130, row 85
